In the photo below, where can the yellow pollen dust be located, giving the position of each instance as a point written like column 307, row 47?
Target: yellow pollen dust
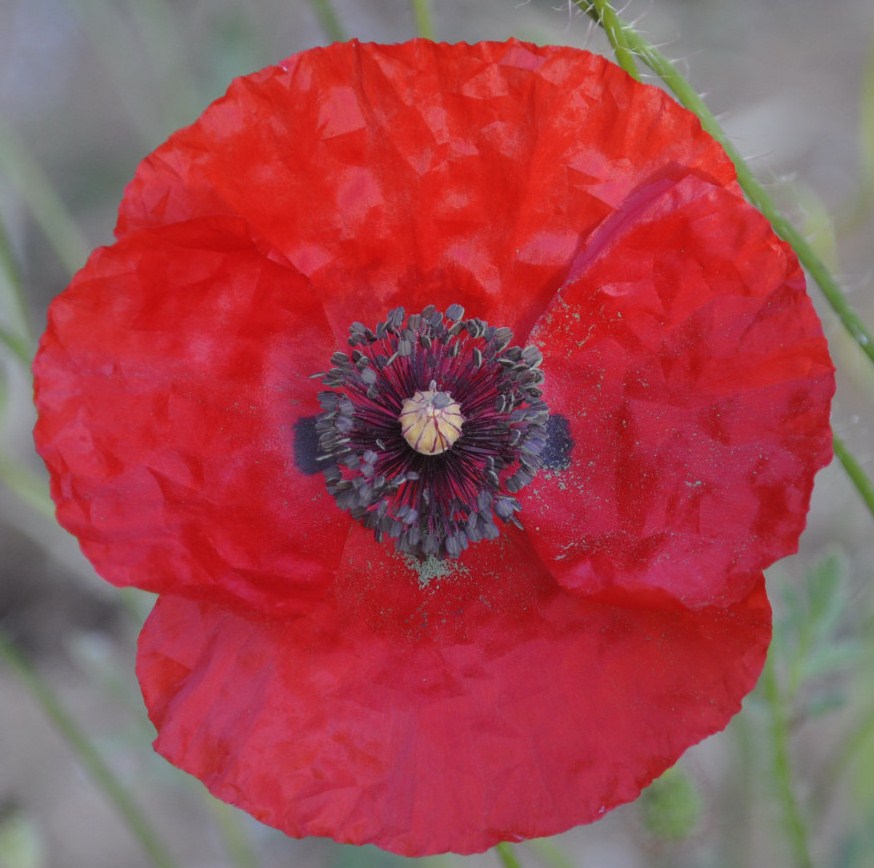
column 431, row 421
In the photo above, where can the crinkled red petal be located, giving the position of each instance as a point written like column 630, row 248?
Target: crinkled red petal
column 425, row 173
column 489, row 705
column 694, row 375
column 168, row 385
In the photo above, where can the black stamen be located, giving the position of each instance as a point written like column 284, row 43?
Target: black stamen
column 432, row 504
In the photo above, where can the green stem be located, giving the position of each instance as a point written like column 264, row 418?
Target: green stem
column 849, row 748
column 38, row 193
column 14, row 284
column 328, row 20
column 17, row 345
column 26, row 485
column 625, row 40
column 734, row 850
column 507, row 855
column 422, row 13
column 549, row 854
column 18, row 339
column 236, row 842
column 604, row 15
column 88, row 755
column 793, row 819
column 854, row 470
column 157, row 25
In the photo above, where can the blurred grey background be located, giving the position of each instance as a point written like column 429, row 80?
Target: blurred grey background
column 89, row 87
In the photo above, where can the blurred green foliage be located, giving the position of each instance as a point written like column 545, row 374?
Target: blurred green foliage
column 670, row 806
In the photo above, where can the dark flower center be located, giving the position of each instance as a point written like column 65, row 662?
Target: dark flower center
column 432, row 424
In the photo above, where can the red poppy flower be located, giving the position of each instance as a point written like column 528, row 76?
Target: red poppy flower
column 462, row 586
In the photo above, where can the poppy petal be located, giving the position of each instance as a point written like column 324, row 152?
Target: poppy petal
column 695, row 381
column 425, row 173
column 169, row 385
column 501, row 711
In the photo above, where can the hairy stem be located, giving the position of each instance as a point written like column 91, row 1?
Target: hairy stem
column 605, row 16
column 793, row 819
